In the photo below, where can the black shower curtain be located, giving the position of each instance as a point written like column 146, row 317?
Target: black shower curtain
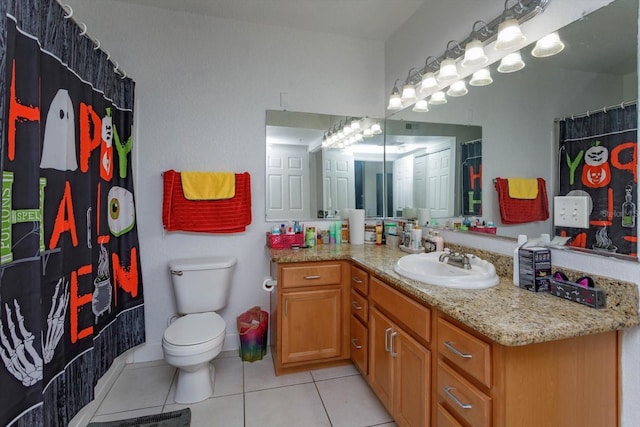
column 598, row 159
column 71, row 295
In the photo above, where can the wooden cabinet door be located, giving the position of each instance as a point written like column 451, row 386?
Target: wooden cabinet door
column 412, row 394
column 311, row 325
column 380, row 360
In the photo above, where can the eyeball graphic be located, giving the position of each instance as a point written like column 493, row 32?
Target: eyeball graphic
column 121, row 217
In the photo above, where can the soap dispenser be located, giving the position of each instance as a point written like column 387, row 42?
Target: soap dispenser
column 522, row 240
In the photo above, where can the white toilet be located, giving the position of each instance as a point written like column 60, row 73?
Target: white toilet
column 201, row 286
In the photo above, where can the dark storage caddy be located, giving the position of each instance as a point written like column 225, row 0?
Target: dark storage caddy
column 592, row 297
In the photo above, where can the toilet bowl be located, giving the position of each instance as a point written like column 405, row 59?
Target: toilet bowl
column 190, row 344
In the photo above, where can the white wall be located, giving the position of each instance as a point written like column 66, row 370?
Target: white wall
column 427, row 33
column 202, row 87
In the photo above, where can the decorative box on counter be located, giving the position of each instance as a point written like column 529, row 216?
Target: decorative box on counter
column 284, row 241
column 535, row 268
column 484, row 229
column 592, row 297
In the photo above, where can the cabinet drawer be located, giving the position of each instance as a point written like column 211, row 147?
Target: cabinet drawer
column 359, row 306
column 415, row 316
column 359, row 280
column 464, row 350
column 296, row 276
column 462, row 398
column 359, row 345
column 445, row 419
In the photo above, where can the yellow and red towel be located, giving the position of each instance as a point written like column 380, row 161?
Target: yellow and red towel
column 210, row 216
column 521, row 210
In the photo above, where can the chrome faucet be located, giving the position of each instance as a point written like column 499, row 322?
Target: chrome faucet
column 456, row 259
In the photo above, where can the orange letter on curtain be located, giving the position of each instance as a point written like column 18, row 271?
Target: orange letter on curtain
column 87, row 142
column 64, row 223
column 474, row 176
column 127, row 278
column 631, row 166
column 17, row 112
column 76, row 300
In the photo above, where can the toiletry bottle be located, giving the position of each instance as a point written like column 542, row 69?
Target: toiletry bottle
column 439, row 241
column 522, row 239
column 332, row 233
column 310, row 238
column 378, row 234
column 338, row 227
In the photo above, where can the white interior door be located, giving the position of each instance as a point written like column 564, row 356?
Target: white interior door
column 288, row 191
column 403, row 183
column 339, row 181
column 440, row 186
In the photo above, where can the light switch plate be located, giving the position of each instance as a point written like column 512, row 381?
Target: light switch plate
column 571, row 211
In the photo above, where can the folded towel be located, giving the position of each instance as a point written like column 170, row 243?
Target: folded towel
column 518, row 211
column 208, row 185
column 523, row 188
column 209, row 216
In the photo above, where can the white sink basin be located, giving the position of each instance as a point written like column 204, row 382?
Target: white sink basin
column 427, row 268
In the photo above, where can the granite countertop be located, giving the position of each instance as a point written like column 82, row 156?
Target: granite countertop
column 504, row 313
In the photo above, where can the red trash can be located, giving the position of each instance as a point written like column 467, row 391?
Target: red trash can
column 253, row 327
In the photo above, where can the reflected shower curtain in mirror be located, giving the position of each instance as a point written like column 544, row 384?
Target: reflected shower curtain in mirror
column 71, row 295
column 471, row 171
column 598, row 159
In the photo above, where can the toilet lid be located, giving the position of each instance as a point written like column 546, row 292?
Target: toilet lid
column 195, row 329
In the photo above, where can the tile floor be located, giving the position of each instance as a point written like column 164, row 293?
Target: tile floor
column 249, row 394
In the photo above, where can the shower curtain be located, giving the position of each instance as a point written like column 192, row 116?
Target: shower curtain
column 598, row 159
column 71, row 295
column 471, row 172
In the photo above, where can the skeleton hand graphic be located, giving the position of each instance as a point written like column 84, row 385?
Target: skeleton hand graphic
column 55, row 320
column 18, row 355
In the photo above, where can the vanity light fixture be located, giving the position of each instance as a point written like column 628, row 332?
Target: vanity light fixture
column 421, row 106
column 355, row 125
column 408, row 90
column 429, row 82
column 395, row 102
column 458, row 88
column 438, row 98
column 376, row 129
column 482, row 77
column 549, row 45
column 440, row 72
column 448, row 68
column 367, row 133
column 511, row 63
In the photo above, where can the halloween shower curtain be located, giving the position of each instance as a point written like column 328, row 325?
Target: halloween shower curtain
column 598, row 157
column 71, row 295
column 471, row 161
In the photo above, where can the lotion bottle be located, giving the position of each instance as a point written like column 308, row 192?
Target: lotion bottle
column 522, row 240
column 439, row 241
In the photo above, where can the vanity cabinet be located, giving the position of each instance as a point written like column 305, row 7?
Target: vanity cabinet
column 571, row 382
column 399, row 361
column 311, row 312
column 359, row 319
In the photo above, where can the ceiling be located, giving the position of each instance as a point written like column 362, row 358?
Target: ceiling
column 364, row 19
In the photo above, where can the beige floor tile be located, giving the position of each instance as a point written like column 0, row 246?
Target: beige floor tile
column 296, row 405
column 350, row 402
column 260, row 375
column 138, row 388
column 337, row 372
column 225, row 411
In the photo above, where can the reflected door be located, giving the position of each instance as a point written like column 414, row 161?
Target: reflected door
column 288, row 182
column 439, row 178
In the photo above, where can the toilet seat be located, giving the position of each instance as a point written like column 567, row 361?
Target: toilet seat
column 194, row 329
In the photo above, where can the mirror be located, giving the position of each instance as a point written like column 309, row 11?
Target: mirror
column 428, row 164
column 518, row 112
column 306, row 181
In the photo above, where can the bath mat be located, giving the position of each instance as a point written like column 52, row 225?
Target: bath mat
column 181, row 418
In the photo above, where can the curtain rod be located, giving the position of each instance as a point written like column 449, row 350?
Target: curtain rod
column 587, row 113
column 69, row 15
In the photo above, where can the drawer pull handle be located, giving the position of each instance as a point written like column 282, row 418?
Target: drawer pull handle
column 354, row 342
column 357, row 280
column 393, row 353
column 456, row 351
column 448, row 389
column 315, row 276
column 355, row 305
column 386, row 340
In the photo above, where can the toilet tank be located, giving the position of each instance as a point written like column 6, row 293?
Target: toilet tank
column 201, row 284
